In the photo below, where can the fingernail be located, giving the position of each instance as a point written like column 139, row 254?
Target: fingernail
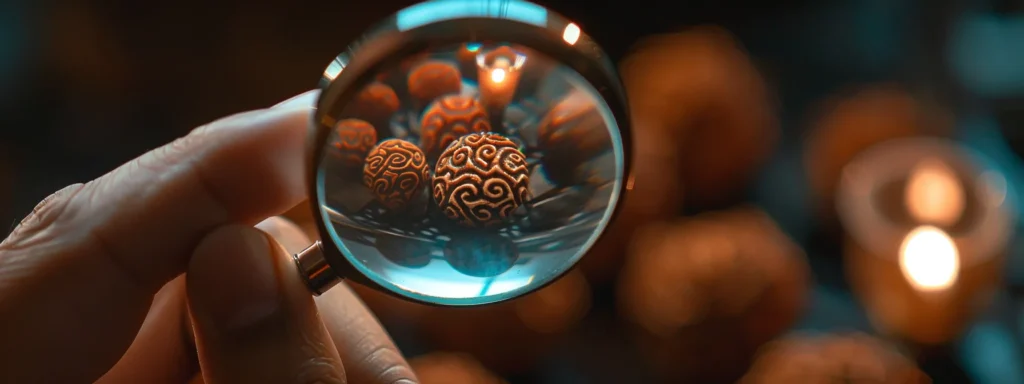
column 289, row 235
column 232, row 279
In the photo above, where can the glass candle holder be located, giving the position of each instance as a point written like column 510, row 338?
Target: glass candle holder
column 927, row 224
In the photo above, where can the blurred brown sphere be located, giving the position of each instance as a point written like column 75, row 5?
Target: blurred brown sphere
column 452, row 368
column 851, row 123
column 511, row 337
column 705, row 293
column 376, row 104
column 832, row 359
column 430, row 80
column 649, row 196
column 702, row 123
column 702, row 91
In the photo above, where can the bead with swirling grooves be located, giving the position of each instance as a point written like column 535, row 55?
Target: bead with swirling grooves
column 395, row 172
column 352, row 141
column 480, row 180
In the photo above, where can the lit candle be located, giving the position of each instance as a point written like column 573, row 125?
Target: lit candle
column 927, row 228
column 929, row 260
column 934, row 194
column 498, row 75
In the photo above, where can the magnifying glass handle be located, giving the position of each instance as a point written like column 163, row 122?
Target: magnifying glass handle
column 314, row 269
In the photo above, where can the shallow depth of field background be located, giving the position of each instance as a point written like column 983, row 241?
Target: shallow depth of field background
column 729, row 262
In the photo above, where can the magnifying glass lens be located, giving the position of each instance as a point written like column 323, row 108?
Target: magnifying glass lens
column 468, row 173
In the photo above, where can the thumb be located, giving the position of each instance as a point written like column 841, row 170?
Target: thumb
column 254, row 319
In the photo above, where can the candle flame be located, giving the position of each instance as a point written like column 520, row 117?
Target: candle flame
column 934, row 194
column 571, row 34
column 929, row 259
column 498, row 75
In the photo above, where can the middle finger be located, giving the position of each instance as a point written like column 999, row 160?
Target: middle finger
column 368, row 353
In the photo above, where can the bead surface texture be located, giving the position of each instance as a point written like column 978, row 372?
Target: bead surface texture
column 480, row 180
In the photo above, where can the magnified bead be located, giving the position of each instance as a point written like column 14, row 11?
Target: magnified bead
column 395, row 172
column 480, row 180
column 355, row 138
column 448, row 119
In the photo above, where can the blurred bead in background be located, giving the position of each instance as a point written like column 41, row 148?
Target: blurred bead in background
column 699, row 89
column 705, row 293
column 854, row 358
column 703, row 124
column 850, row 122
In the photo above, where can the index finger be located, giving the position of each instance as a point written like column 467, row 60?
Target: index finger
column 77, row 277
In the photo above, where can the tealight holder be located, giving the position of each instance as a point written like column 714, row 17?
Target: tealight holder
column 927, row 224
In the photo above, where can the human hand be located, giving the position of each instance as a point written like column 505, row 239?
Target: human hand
column 154, row 273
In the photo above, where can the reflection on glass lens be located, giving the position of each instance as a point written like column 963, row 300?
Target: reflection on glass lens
column 470, row 173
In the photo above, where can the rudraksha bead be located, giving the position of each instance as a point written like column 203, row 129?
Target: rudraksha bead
column 376, row 104
column 433, row 79
column 448, row 119
column 480, row 180
column 354, row 139
column 395, row 171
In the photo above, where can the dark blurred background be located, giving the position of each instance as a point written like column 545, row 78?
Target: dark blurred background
column 739, row 268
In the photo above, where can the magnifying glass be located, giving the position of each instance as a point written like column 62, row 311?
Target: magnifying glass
column 464, row 153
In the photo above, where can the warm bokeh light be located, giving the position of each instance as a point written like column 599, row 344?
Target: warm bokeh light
column 934, row 194
column 498, row 75
column 571, row 34
column 929, row 259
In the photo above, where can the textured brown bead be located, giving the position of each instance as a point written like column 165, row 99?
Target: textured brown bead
column 395, row 171
column 376, row 103
column 706, row 292
column 480, row 180
column 354, row 139
column 574, row 121
column 434, row 79
column 852, row 358
column 448, row 119
column 700, row 88
column 572, row 132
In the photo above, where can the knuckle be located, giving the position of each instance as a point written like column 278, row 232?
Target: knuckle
column 388, row 365
column 168, row 156
column 43, row 216
column 319, row 367
column 319, row 370
column 179, row 150
column 397, row 374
